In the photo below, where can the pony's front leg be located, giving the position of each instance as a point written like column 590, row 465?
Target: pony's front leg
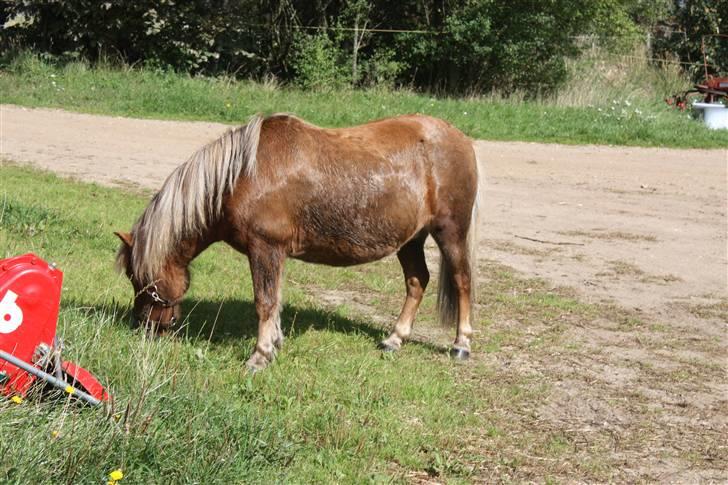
column 266, row 267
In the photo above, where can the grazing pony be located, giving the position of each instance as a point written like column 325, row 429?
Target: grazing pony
column 280, row 187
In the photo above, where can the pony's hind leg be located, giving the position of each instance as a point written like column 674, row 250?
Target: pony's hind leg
column 412, row 258
column 266, row 267
column 455, row 293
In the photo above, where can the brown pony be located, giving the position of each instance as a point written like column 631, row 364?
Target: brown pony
column 280, row 187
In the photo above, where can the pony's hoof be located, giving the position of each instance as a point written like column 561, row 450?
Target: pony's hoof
column 256, row 362
column 385, row 347
column 459, row 354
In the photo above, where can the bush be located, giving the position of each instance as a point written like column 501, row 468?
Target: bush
column 319, row 64
column 382, row 68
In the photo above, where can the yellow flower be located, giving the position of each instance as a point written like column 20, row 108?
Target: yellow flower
column 16, row 399
column 55, row 434
column 116, row 475
column 70, row 389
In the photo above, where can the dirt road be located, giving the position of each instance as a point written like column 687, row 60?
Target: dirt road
column 643, row 229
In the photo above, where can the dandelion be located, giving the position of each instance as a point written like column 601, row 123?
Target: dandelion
column 17, row 399
column 55, row 434
column 115, row 476
column 70, row 390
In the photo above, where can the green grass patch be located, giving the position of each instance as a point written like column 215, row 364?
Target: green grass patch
column 138, row 92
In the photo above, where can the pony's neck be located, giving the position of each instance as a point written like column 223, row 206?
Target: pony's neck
column 185, row 251
column 175, row 268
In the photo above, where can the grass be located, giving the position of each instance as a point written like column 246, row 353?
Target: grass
column 636, row 117
column 331, row 408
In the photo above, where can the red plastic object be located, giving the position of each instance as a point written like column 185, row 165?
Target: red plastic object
column 78, row 376
column 30, row 296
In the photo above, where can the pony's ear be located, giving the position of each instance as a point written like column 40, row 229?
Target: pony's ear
column 125, row 237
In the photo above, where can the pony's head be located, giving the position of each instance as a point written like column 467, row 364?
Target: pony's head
column 170, row 231
column 156, row 299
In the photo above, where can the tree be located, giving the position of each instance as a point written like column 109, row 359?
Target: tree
column 701, row 34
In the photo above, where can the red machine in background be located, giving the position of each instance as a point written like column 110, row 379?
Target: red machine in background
column 712, row 90
column 30, row 296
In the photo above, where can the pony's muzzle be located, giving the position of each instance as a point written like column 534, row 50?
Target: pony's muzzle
column 155, row 328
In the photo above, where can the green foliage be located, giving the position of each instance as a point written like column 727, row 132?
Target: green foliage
column 698, row 21
column 648, row 13
column 613, row 26
column 459, row 46
column 507, row 46
column 382, row 69
column 194, row 36
column 319, row 63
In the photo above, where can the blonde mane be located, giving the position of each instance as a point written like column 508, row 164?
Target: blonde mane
column 191, row 199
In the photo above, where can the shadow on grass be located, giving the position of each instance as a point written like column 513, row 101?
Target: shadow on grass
column 222, row 322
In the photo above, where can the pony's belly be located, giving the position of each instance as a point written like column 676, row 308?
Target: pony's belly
column 354, row 241
column 344, row 256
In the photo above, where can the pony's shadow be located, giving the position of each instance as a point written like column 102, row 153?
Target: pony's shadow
column 220, row 322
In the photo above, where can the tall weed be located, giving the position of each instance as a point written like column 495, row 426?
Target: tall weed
column 598, row 77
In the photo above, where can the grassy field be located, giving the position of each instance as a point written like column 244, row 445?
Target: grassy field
column 331, row 408
column 618, row 114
